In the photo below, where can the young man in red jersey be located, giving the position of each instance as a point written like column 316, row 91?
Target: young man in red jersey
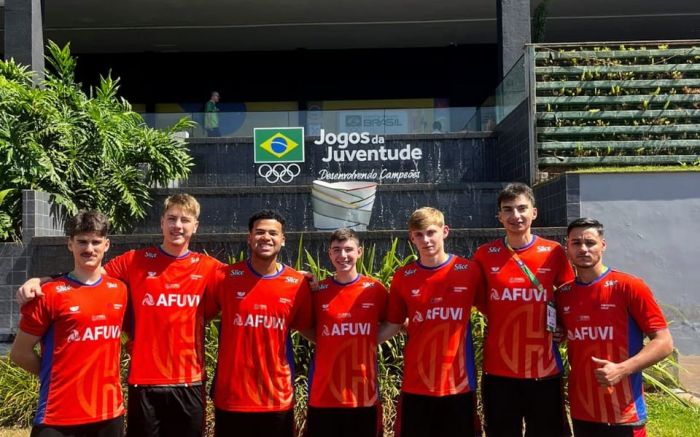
column 165, row 323
column 260, row 301
column 78, row 323
column 348, row 307
column 522, row 367
column 435, row 294
column 606, row 314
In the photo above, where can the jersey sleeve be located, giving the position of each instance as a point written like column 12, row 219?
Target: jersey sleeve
column 211, row 298
column 37, row 314
column 382, row 301
column 118, row 267
column 565, row 273
column 644, row 309
column 396, row 310
column 303, row 308
column 214, row 275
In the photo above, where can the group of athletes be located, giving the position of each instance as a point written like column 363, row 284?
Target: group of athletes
column 163, row 295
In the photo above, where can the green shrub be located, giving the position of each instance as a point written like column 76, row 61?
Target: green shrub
column 19, row 394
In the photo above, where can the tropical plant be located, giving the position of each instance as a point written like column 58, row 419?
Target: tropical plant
column 87, row 150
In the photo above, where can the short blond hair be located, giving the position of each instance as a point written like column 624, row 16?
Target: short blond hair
column 186, row 202
column 424, row 217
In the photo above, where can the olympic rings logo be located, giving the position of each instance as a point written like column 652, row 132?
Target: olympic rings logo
column 279, row 173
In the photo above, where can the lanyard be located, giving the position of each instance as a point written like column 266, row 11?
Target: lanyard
column 525, row 268
column 551, row 315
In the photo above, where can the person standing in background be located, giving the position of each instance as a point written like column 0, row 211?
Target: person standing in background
column 211, row 115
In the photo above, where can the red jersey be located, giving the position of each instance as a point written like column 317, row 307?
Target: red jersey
column 518, row 344
column 439, row 355
column 254, row 368
column 607, row 319
column 165, row 320
column 80, row 330
column 344, row 369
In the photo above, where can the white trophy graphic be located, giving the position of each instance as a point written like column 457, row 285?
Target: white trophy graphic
column 342, row 204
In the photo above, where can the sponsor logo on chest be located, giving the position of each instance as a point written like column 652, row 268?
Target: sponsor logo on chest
column 260, row 321
column 439, row 313
column 95, row 333
column 171, row 300
column 63, row 288
column 519, row 294
column 583, row 333
column 345, row 328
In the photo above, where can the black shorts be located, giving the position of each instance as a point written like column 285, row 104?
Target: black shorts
column 509, row 401
column 436, row 416
column 594, row 429
column 166, row 411
column 105, row 428
column 344, row 422
column 246, row 424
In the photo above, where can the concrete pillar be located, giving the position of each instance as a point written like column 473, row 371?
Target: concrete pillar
column 513, row 32
column 24, row 34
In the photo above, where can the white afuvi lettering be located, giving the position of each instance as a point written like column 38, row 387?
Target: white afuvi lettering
column 94, row 333
column 591, row 333
column 261, row 320
column 346, row 328
column 524, row 294
column 179, row 300
column 444, row 313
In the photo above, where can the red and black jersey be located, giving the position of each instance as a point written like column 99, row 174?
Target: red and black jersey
column 166, row 315
column 607, row 319
column 80, row 330
column 344, row 369
column 254, row 369
column 438, row 357
column 518, row 344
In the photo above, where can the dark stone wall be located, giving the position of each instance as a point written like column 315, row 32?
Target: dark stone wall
column 227, row 209
column 558, row 200
column 14, row 265
column 513, row 145
column 457, row 173
column 49, row 254
column 447, row 159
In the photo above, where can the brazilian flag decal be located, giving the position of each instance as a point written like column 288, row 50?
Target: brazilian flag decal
column 283, row 144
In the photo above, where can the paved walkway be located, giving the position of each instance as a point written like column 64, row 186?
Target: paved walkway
column 690, row 377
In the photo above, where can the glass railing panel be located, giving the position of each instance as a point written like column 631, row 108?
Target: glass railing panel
column 374, row 121
column 511, row 91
